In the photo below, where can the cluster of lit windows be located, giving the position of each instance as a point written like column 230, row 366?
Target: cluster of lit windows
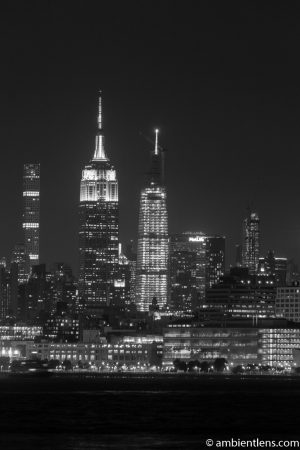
column 251, row 243
column 31, row 225
column 153, row 249
column 20, row 332
column 31, row 193
column 94, row 352
column 288, row 303
column 99, row 184
column 279, row 345
column 267, row 345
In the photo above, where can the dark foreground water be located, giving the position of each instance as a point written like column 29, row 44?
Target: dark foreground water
column 150, row 412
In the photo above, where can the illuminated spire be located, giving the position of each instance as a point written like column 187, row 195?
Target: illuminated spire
column 100, row 111
column 99, row 154
column 156, row 142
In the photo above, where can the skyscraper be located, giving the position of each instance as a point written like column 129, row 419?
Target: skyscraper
column 187, row 270
column 273, row 269
column 238, row 255
column 31, row 215
column 215, row 259
column 19, row 258
column 99, row 227
column 4, row 292
column 251, row 242
column 153, row 246
column 197, row 261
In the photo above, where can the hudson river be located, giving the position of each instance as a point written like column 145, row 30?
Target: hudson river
column 145, row 412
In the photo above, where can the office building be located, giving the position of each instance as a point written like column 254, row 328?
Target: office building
column 121, row 289
column 197, row 261
column 31, row 215
column 153, row 245
column 241, row 342
column 288, row 302
column 215, row 259
column 19, row 258
column 4, row 293
column 187, row 341
column 238, row 255
column 241, row 295
column 99, row 227
column 273, row 268
column 251, row 238
column 187, row 271
column 131, row 257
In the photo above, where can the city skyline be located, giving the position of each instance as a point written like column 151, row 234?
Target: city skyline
column 232, row 141
column 150, row 234
column 230, row 243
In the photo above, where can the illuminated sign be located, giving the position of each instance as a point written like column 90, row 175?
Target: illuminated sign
column 196, row 239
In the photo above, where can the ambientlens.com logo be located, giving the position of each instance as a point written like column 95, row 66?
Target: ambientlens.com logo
column 255, row 443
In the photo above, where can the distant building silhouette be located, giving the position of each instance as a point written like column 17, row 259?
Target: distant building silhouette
column 130, row 253
column 238, row 255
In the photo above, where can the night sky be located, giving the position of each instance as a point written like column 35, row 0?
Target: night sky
column 220, row 79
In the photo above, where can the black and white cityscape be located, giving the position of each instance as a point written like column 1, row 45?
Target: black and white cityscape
column 149, row 232
column 161, row 302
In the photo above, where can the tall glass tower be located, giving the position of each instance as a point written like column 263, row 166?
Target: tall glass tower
column 250, row 255
column 153, row 246
column 99, row 227
column 31, row 215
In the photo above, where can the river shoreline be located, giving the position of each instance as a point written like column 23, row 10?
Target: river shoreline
column 150, row 376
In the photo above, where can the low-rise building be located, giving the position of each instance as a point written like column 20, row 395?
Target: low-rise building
column 279, row 346
column 240, row 342
column 20, row 332
column 132, row 350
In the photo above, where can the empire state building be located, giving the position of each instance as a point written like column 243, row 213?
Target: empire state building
column 99, row 227
column 153, row 245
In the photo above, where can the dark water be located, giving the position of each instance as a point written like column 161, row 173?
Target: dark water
column 151, row 412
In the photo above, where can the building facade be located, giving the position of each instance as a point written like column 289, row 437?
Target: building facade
column 153, row 245
column 241, row 295
column 197, row 261
column 268, row 342
column 99, row 227
column 19, row 258
column 288, row 302
column 238, row 345
column 5, row 293
column 273, row 268
column 251, row 238
column 215, row 259
column 31, row 215
column 187, row 270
